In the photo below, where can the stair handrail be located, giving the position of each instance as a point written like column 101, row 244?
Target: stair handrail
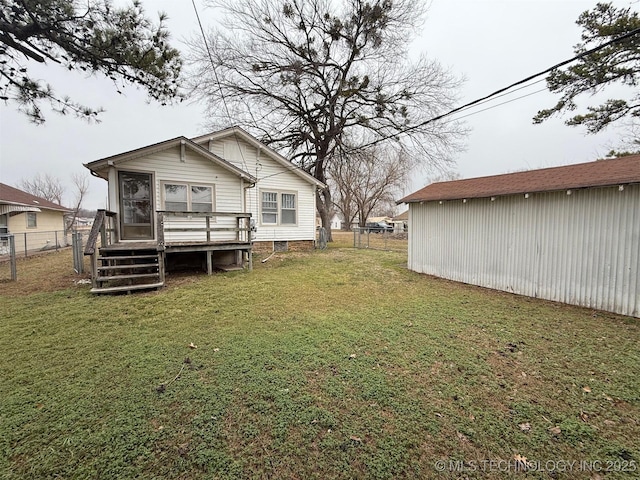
column 98, row 228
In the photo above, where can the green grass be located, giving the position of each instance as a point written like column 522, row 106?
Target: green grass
column 334, row 364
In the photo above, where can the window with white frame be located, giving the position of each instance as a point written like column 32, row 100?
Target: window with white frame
column 32, row 220
column 278, row 208
column 288, row 208
column 184, row 197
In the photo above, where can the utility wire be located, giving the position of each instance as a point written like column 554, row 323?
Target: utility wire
column 215, row 73
column 497, row 92
column 479, row 101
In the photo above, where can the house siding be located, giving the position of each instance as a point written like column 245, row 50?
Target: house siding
column 48, row 233
column 272, row 176
column 167, row 167
column 581, row 249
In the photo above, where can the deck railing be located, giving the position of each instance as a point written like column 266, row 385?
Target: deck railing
column 242, row 226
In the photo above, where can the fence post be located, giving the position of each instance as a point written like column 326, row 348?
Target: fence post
column 76, row 246
column 25, row 244
column 56, row 239
column 12, row 256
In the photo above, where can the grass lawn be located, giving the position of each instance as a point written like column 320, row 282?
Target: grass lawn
column 334, row 364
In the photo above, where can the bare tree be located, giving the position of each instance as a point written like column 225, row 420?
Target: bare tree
column 81, row 187
column 368, row 180
column 44, row 186
column 306, row 74
column 51, row 188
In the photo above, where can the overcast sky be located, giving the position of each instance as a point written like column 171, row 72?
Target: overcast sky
column 491, row 43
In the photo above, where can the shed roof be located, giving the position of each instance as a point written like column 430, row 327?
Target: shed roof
column 12, row 196
column 617, row 171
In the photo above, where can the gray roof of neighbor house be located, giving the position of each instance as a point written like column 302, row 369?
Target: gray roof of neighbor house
column 15, row 200
column 601, row 173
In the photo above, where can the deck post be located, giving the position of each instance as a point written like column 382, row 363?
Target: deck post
column 208, row 220
column 161, row 273
column 103, row 235
column 209, row 263
column 94, row 269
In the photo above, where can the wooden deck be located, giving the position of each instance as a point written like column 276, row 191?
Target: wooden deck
column 118, row 266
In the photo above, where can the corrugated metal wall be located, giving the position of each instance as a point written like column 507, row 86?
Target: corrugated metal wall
column 582, row 249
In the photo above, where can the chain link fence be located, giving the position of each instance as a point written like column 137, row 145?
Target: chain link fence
column 376, row 239
column 32, row 243
column 23, row 245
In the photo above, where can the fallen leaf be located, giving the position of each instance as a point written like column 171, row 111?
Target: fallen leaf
column 216, row 349
column 462, row 437
column 471, row 417
column 355, row 439
column 524, row 375
column 439, row 415
column 191, row 345
column 584, row 417
column 555, row 430
column 609, row 422
column 586, row 389
column 353, row 355
column 39, row 405
column 525, row 427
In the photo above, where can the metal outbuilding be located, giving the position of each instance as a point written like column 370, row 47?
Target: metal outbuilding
column 569, row 234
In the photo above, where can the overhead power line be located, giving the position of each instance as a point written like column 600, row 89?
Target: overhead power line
column 215, row 73
column 490, row 97
column 498, row 92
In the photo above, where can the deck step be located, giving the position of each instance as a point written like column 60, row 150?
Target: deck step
column 126, row 288
column 126, row 277
column 127, row 266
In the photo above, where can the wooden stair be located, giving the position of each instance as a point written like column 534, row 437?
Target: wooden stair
column 125, row 270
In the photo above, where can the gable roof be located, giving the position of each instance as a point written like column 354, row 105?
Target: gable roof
column 16, row 200
column 235, row 130
column 100, row 166
column 600, row 173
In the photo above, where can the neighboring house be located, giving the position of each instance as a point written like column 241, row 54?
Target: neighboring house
column 336, row 222
column 569, row 234
column 210, row 199
column 41, row 220
column 400, row 222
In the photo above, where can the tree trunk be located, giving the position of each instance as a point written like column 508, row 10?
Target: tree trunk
column 324, row 204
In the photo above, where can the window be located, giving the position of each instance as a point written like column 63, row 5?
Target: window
column 32, row 221
column 175, row 198
column 288, row 208
column 269, row 207
column 201, row 199
column 278, row 208
column 188, row 198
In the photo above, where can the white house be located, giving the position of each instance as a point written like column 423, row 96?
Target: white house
column 208, row 200
column 282, row 201
column 569, row 234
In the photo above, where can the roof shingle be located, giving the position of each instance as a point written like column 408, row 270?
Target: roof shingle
column 13, row 195
column 600, row 173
